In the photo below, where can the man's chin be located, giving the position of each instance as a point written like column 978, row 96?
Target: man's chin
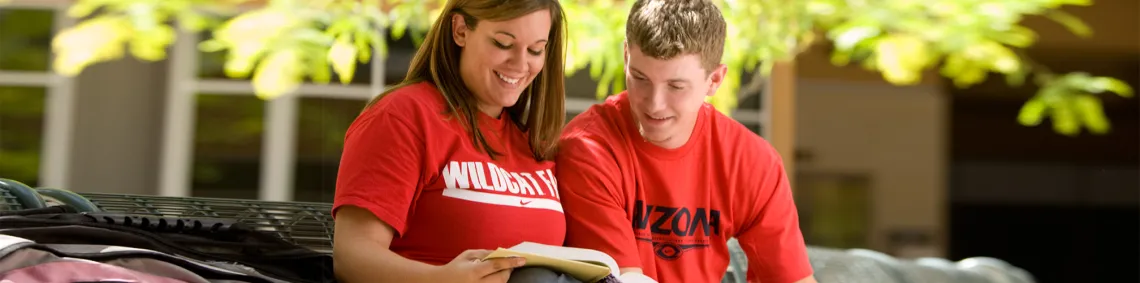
column 654, row 136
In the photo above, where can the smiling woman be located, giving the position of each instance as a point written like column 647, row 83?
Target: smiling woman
column 462, row 146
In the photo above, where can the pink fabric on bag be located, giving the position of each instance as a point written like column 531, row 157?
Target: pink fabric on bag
column 69, row 271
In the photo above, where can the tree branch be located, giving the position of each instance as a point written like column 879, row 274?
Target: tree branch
column 754, row 87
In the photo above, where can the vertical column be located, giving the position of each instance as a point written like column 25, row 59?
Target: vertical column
column 377, row 64
column 780, row 101
column 278, row 150
column 178, row 123
column 59, row 116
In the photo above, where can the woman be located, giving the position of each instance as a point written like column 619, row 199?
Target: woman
column 456, row 160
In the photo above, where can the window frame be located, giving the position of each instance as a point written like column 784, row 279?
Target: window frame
column 59, row 109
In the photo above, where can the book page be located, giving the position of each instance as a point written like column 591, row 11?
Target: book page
column 583, row 264
column 570, row 253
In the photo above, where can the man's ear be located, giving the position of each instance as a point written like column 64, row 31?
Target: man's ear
column 459, row 30
column 716, row 78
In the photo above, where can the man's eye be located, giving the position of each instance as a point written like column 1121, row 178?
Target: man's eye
column 673, row 87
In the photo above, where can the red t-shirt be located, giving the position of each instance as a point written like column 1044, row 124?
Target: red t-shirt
column 416, row 168
column 672, row 211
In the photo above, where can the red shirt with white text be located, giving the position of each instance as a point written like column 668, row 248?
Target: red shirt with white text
column 415, row 167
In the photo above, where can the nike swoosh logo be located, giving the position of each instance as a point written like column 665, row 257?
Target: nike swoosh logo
column 524, row 202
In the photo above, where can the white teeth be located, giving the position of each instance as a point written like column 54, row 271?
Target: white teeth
column 506, row 79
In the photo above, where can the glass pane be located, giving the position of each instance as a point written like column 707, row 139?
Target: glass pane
column 580, row 85
column 570, row 116
column 21, row 133
column 834, row 209
column 25, row 39
column 227, row 146
column 320, row 138
column 211, row 65
column 754, row 101
column 755, row 127
column 400, row 53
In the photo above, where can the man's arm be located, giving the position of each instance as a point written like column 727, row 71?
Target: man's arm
column 771, row 237
column 589, row 183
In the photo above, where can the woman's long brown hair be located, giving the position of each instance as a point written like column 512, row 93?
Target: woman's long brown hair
column 541, row 109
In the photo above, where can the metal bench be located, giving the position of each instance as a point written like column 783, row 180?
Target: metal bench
column 310, row 225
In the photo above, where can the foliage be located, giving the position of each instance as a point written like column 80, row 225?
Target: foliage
column 284, row 41
column 967, row 40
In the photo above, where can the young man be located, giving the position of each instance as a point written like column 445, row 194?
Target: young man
column 660, row 180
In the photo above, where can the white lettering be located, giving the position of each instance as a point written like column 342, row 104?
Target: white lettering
column 474, row 169
column 455, row 175
column 553, row 183
column 545, row 180
column 507, row 184
column 515, row 186
column 536, row 187
column 483, row 178
column 495, row 183
column 524, row 186
column 473, row 175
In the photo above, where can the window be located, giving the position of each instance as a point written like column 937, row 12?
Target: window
column 21, row 132
column 835, row 209
column 243, row 147
column 320, row 139
column 35, row 105
column 228, row 135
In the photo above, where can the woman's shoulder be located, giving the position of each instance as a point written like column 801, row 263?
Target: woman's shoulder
column 415, row 99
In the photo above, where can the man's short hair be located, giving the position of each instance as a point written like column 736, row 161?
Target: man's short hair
column 665, row 29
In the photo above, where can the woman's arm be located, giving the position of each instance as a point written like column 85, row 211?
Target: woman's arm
column 361, row 254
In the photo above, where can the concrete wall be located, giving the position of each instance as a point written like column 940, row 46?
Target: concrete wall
column 118, row 127
column 895, row 135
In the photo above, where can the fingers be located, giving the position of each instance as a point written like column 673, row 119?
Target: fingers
column 474, row 254
column 501, row 276
column 495, row 265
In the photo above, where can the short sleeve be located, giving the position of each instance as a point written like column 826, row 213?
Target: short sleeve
column 772, row 239
column 589, row 186
column 380, row 167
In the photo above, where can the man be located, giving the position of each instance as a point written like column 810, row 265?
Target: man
column 660, row 180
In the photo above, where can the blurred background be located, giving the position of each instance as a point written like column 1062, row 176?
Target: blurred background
column 927, row 170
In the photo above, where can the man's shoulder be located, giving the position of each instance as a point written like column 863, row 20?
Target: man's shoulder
column 595, row 136
column 599, row 125
column 738, row 141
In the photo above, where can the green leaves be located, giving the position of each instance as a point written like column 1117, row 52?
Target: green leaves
column 1070, row 102
column 135, row 25
column 286, row 41
column 967, row 40
column 281, row 43
column 595, row 39
column 276, row 45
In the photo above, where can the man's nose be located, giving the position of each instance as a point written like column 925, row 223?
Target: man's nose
column 655, row 101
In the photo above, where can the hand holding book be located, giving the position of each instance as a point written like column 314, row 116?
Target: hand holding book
column 589, row 266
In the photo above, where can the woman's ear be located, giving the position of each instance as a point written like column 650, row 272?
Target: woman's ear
column 459, row 29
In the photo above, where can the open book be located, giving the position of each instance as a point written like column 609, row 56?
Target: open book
column 583, row 264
